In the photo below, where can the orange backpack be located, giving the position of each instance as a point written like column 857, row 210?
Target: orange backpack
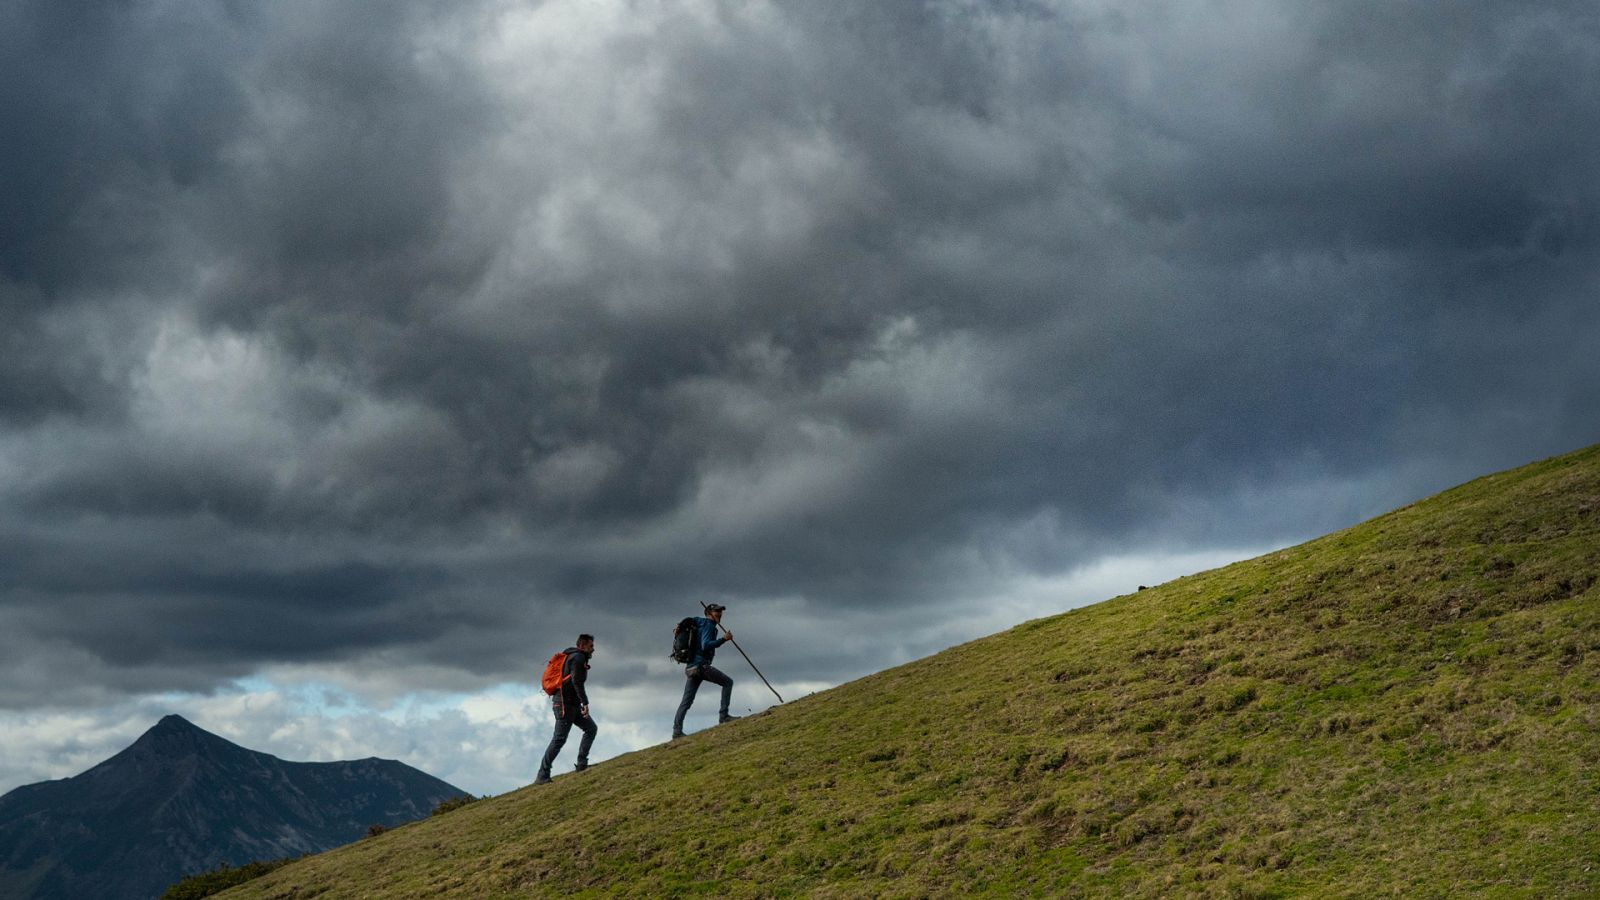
column 553, row 678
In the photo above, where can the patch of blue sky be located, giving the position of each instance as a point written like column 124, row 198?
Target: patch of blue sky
column 307, row 698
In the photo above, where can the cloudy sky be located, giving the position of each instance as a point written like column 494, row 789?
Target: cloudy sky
column 356, row 356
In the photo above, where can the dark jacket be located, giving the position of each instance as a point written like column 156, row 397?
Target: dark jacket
column 709, row 642
column 573, row 697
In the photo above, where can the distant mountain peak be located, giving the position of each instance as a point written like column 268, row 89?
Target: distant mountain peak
column 181, row 800
column 176, row 736
column 175, row 725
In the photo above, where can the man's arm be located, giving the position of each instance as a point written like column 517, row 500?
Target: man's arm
column 580, row 674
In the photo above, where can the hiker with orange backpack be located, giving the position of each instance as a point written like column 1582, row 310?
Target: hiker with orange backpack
column 563, row 680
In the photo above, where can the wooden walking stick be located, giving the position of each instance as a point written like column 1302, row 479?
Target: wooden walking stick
column 746, row 657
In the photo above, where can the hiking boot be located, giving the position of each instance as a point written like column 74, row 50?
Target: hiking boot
column 726, row 718
column 542, row 779
column 580, row 767
column 676, row 735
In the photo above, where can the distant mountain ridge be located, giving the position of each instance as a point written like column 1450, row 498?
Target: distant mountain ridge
column 181, row 800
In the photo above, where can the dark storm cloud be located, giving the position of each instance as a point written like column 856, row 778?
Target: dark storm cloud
column 108, row 106
column 423, row 327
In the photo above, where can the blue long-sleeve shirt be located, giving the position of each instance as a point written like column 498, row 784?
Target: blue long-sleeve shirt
column 709, row 642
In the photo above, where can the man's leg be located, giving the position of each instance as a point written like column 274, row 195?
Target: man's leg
column 558, row 739
column 691, row 684
column 715, row 676
column 589, row 729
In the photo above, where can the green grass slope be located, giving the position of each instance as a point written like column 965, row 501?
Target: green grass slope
column 1410, row 706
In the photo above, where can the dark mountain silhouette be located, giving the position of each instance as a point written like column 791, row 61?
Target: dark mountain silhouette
column 181, row 800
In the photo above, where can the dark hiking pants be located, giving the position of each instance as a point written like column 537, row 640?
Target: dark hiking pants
column 559, row 740
column 691, row 685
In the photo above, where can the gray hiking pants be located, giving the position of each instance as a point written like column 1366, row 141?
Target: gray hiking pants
column 559, row 739
column 691, row 685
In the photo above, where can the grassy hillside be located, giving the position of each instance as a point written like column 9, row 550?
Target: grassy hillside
column 1409, row 706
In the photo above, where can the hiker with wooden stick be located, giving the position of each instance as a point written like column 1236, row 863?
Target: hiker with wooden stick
column 563, row 680
column 695, row 642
